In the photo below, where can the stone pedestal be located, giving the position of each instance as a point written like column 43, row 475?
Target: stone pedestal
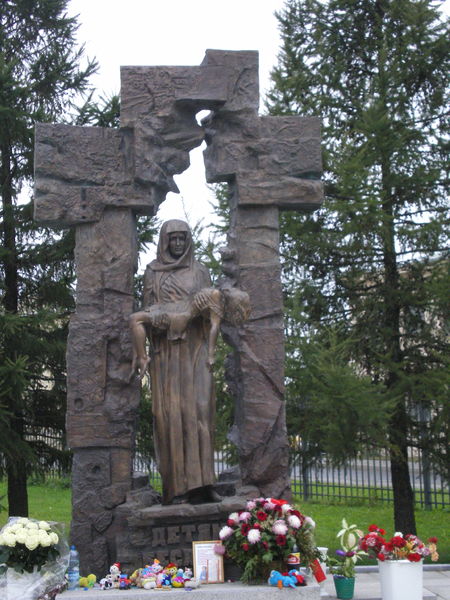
column 215, row 591
column 167, row 532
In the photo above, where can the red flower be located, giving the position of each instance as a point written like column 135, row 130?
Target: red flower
column 261, row 515
column 373, row 527
column 280, row 540
column 230, row 523
column 414, row 557
column 388, row 547
column 245, row 528
column 245, row 547
column 381, row 556
column 256, row 526
column 265, row 545
column 433, row 540
column 398, row 542
column 381, row 531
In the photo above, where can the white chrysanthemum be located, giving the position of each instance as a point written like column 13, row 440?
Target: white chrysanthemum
column 14, row 527
column 9, row 539
column 32, row 542
column 225, row 532
column 253, row 536
column 294, row 521
column 398, row 534
column 32, row 525
column 54, row 537
column 285, row 508
column 279, row 527
column 44, row 525
column 308, row 522
column 244, row 516
column 234, row 516
column 251, row 504
column 23, row 521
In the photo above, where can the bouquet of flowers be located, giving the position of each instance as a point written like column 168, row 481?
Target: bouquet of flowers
column 349, row 553
column 25, row 544
column 34, row 556
column 262, row 537
column 398, row 547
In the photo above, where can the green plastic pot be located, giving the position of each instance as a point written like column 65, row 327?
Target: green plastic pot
column 345, row 587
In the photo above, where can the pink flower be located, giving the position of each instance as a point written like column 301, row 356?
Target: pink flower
column 294, row 521
column 251, row 504
column 308, row 522
column 225, row 532
column 219, row 549
column 253, row 536
column 269, row 505
column 279, row 527
column 244, row 516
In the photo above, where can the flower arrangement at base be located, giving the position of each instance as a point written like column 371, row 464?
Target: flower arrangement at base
column 349, row 552
column 262, row 537
column 34, row 556
column 26, row 544
column 398, row 547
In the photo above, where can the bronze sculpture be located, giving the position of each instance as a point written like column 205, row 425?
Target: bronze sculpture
column 181, row 318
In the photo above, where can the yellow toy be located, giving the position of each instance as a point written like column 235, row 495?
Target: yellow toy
column 88, row 582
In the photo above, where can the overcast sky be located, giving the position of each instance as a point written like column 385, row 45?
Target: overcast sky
column 175, row 32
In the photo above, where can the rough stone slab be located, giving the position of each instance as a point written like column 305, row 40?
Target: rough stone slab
column 183, row 511
column 225, row 591
column 81, row 170
column 289, row 193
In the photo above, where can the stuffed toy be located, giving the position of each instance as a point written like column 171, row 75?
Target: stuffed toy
column 279, row 580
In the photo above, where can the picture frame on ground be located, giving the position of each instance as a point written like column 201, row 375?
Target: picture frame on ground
column 208, row 566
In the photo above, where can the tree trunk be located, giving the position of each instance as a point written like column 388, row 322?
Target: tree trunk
column 16, row 468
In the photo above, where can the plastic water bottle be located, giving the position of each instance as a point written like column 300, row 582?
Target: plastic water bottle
column 73, row 572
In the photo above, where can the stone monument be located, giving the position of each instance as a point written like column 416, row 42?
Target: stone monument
column 99, row 180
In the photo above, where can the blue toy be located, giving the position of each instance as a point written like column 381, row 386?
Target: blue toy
column 286, row 580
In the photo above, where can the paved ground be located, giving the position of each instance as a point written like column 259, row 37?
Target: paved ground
column 436, row 586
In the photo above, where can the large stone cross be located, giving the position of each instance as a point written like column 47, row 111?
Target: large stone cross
column 97, row 180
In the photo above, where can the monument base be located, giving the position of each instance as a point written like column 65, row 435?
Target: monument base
column 167, row 532
column 217, row 591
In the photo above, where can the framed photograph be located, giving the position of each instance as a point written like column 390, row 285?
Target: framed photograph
column 208, row 566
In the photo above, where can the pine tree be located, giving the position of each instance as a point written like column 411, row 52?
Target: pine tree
column 40, row 75
column 374, row 258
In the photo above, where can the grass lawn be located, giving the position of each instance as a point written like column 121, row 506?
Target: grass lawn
column 328, row 519
column 52, row 502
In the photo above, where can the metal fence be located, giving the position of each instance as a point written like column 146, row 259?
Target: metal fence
column 366, row 478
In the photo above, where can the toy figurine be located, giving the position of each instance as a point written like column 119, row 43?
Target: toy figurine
column 124, row 583
column 178, row 579
column 115, row 574
column 106, row 583
column 276, row 578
